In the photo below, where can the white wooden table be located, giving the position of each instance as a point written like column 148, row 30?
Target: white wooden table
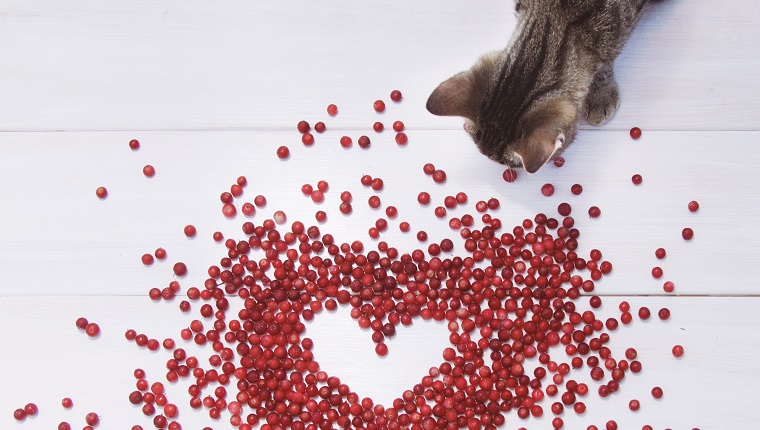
column 212, row 89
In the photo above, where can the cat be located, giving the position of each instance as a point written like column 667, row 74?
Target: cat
column 522, row 105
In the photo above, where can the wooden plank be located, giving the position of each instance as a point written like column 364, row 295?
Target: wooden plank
column 58, row 238
column 44, row 349
column 191, row 65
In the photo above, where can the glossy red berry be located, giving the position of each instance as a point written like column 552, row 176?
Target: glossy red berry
column 379, row 106
column 378, row 126
column 92, row 329
column 657, row 392
column 635, row 133
column 134, row 144
column 398, row 126
column 283, row 152
column 439, row 176
column 363, row 142
column 547, row 190
column 594, row 212
column 660, row 253
column 190, row 230
column 67, row 403
column 576, row 189
column 180, row 269
column 149, row 171
column 664, row 313
column 332, row 109
column 303, row 126
column 320, row 127
column 19, row 414
column 346, row 142
column 307, row 139
column 687, row 233
column 509, row 175
column 101, row 192
column 693, row 206
column 92, row 418
column 396, row 95
column 401, row 139
column 636, row 179
column 677, row 351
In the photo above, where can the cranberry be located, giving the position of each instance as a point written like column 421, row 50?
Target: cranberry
column 283, row 152
column 559, row 161
column 92, row 418
column 160, row 253
column 81, row 323
column 320, row 127
column 635, row 133
column 547, row 190
column 687, row 233
column 147, row 259
column 439, row 176
column 576, row 189
column 677, row 351
column 19, row 414
column 190, row 230
column 657, row 392
column 664, row 313
column 332, row 110
column 378, row 126
column 346, row 142
column 92, row 329
column 134, row 144
column 428, row 168
column 636, row 179
column 398, row 126
column 396, row 95
column 149, row 171
column 64, row 426
column 509, row 175
column 668, row 287
column 377, row 184
column 594, row 212
column 693, row 206
column 611, row 425
column 381, row 349
column 660, row 253
column 67, row 403
column 101, row 192
column 379, row 106
column 303, row 126
column 423, row 198
column 229, row 210
column 634, row 405
column 401, row 139
column 180, row 269
column 364, row 142
column 656, row 272
column 307, row 139
column 564, row 209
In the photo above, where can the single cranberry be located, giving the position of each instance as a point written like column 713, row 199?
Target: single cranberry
column 547, row 190
column 439, row 176
column 428, row 168
column 677, row 351
column 668, row 287
column 660, row 253
column 134, row 144
column 92, row 329
column 346, row 142
column 636, row 179
column 92, row 418
column 594, row 212
column 19, row 414
column 64, row 426
column 634, row 405
column 101, row 192
column 509, row 175
column 81, row 323
column 378, row 126
column 374, row 202
column 303, row 126
column 190, row 230
column 379, row 106
column 401, row 139
column 180, row 269
column 559, row 161
column 657, row 392
column 283, row 152
column 611, row 425
column 377, row 184
column 576, row 189
column 398, row 126
column 320, row 127
column 320, row 216
column 147, row 259
column 687, row 233
column 67, row 403
column 149, row 171
column 229, row 210
column 364, row 142
column 564, row 209
column 396, row 95
column 664, row 313
column 656, row 272
column 307, row 139
column 423, row 198
column 332, row 110
column 160, row 253
column 635, row 133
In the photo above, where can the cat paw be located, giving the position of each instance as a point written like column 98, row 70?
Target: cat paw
column 601, row 102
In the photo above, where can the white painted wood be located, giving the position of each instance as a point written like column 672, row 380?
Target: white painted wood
column 46, row 359
column 193, row 65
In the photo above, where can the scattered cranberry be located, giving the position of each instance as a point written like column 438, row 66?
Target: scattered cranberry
column 576, row 189
column 635, row 133
column 149, row 171
column 656, row 272
column 664, row 313
column 636, row 179
column 396, row 95
column 509, row 175
column 668, row 286
column 134, row 144
column 439, row 176
column 547, row 190
column 378, row 126
column 19, row 414
column 67, row 403
column 693, row 206
column 687, row 233
column 303, row 127
column 634, row 405
column 346, row 142
column 559, row 161
column 229, row 210
column 307, row 139
column 660, row 253
column 101, row 192
column 283, row 152
column 279, row 217
column 611, row 425
column 190, row 230
column 401, row 138
column 92, row 418
column 377, row 184
column 644, row 313
column 423, row 198
column 81, row 323
column 92, row 329
column 64, row 426
column 160, row 253
column 180, row 269
column 657, row 392
column 364, row 142
column 332, row 110
column 594, row 212
column 398, row 126
column 379, row 106
column 677, row 351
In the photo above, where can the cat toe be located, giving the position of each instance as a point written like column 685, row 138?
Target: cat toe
column 600, row 106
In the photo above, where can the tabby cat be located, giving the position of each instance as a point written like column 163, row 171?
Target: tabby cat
column 522, row 104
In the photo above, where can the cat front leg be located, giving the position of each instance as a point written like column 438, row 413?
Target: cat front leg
column 603, row 97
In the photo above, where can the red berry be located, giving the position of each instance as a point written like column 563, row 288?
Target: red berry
column 279, row 217
column 687, row 233
column 660, row 253
column 147, row 259
column 149, row 171
column 379, row 105
column 657, row 392
column 377, row 184
column 693, row 206
column 190, row 230
column 509, row 175
column 428, row 168
column 317, row 196
column 423, row 198
column 644, row 313
column 19, row 414
column 439, row 176
column 668, row 287
column 307, row 139
column 374, row 202
column 364, row 142
column 101, row 192
column 440, row 211
column 594, row 212
column 67, row 403
column 634, row 405
column 559, row 161
column 180, row 269
column 92, row 418
column 81, row 323
column 635, row 133
column 321, row 216
column 283, row 152
column 381, row 349
column 323, row 186
column 401, row 138
column 396, row 95
column 346, row 142
column 303, row 126
column 564, row 209
column 636, row 179
column 576, row 189
column 332, row 110
column 134, row 144
column 664, row 313
column 378, row 126
column 229, row 210
column 92, row 329
column 398, row 126
column 320, row 127
column 656, row 272
column 64, row 426
column 547, row 190
column 366, row 180
column 678, row 351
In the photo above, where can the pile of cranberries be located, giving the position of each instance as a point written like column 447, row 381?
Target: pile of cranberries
column 507, row 296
